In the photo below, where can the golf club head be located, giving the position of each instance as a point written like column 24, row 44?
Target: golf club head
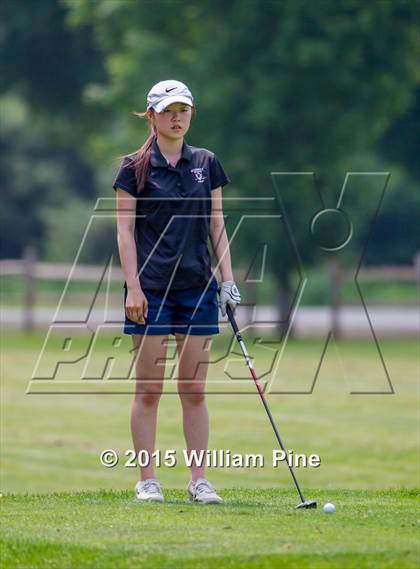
column 307, row 504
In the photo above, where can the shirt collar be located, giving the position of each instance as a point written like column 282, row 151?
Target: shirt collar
column 157, row 158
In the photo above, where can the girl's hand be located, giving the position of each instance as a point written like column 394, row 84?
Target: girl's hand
column 136, row 305
column 229, row 294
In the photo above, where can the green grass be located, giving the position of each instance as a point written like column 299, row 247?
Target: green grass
column 253, row 529
column 368, row 446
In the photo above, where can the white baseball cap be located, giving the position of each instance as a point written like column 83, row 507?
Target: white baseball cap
column 166, row 92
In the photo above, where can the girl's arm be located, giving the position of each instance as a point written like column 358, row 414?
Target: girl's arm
column 218, row 236
column 136, row 303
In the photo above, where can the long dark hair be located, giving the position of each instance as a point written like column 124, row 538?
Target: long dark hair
column 140, row 159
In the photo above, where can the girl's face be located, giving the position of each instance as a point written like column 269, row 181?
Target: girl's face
column 174, row 121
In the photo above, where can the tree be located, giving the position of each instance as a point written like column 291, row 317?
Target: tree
column 279, row 85
column 45, row 68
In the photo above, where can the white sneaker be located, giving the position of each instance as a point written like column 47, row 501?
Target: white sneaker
column 149, row 491
column 203, row 492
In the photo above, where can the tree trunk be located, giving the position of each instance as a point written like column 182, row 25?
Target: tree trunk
column 284, row 303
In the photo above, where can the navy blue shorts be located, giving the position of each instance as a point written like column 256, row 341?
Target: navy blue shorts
column 188, row 311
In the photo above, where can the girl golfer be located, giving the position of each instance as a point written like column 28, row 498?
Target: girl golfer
column 169, row 202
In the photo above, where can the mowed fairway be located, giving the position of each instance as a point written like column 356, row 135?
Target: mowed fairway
column 62, row 508
column 256, row 528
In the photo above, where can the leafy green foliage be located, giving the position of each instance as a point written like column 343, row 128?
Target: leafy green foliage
column 279, row 86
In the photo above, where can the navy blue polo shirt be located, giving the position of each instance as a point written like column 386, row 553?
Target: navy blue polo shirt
column 173, row 216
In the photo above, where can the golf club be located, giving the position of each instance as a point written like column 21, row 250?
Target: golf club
column 304, row 504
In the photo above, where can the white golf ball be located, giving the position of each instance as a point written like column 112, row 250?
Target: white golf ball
column 329, row 508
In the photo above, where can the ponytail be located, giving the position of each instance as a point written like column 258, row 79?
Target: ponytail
column 140, row 159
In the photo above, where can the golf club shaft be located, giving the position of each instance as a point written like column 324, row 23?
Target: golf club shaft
column 261, row 393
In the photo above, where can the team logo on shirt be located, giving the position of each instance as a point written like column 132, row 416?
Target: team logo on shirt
column 198, row 173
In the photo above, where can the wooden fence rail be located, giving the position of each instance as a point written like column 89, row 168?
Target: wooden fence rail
column 31, row 270
column 339, row 275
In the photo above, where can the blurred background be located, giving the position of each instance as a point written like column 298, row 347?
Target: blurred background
column 320, row 87
column 279, row 86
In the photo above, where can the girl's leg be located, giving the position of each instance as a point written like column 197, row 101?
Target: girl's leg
column 193, row 354
column 150, row 368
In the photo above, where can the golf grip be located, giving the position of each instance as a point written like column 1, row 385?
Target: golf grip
column 232, row 321
column 234, row 325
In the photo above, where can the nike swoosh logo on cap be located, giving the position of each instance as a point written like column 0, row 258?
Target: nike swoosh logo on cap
column 171, row 89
